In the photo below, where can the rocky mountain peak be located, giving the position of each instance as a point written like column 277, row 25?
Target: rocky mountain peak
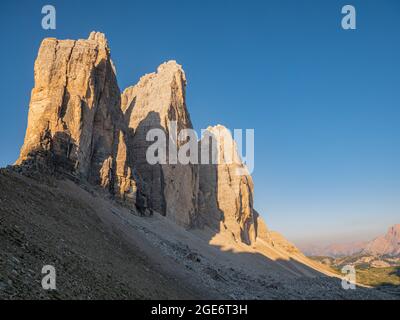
column 227, row 148
column 162, row 92
column 394, row 231
column 171, row 68
column 388, row 244
column 226, row 193
column 75, row 120
column 98, row 37
column 158, row 101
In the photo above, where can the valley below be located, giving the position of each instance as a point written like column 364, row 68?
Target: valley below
column 371, row 270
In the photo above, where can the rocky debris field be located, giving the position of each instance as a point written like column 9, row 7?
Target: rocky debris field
column 101, row 250
column 42, row 225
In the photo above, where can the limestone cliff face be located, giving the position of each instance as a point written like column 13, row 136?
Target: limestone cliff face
column 158, row 102
column 75, row 121
column 226, row 188
column 79, row 121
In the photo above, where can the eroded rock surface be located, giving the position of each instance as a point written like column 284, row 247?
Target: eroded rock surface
column 79, row 121
column 226, row 188
column 75, row 121
column 158, row 102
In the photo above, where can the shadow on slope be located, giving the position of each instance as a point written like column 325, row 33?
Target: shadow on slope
column 44, row 224
column 102, row 251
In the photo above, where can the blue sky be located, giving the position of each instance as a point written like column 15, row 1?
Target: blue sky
column 324, row 102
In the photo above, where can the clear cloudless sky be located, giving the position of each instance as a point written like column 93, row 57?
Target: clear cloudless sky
column 324, row 102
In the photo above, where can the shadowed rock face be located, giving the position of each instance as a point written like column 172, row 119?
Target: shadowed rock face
column 226, row 188
column 154, row 103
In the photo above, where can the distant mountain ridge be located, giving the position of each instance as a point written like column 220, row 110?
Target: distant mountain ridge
column 387, row 244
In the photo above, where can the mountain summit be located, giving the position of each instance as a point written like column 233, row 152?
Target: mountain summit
column 387, row 244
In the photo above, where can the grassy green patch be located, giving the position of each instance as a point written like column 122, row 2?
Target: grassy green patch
column 379, row 276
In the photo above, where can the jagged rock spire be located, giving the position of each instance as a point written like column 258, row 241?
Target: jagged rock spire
column 74, row 113
column 156, row 101
column 226, row 193
column 98, row 37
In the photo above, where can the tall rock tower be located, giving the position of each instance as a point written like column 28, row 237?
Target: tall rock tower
column 75, row 121
column 226, row 187
column 157, row 101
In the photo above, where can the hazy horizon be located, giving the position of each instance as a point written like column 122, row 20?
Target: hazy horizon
column 350, row 237
column 324, row 102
